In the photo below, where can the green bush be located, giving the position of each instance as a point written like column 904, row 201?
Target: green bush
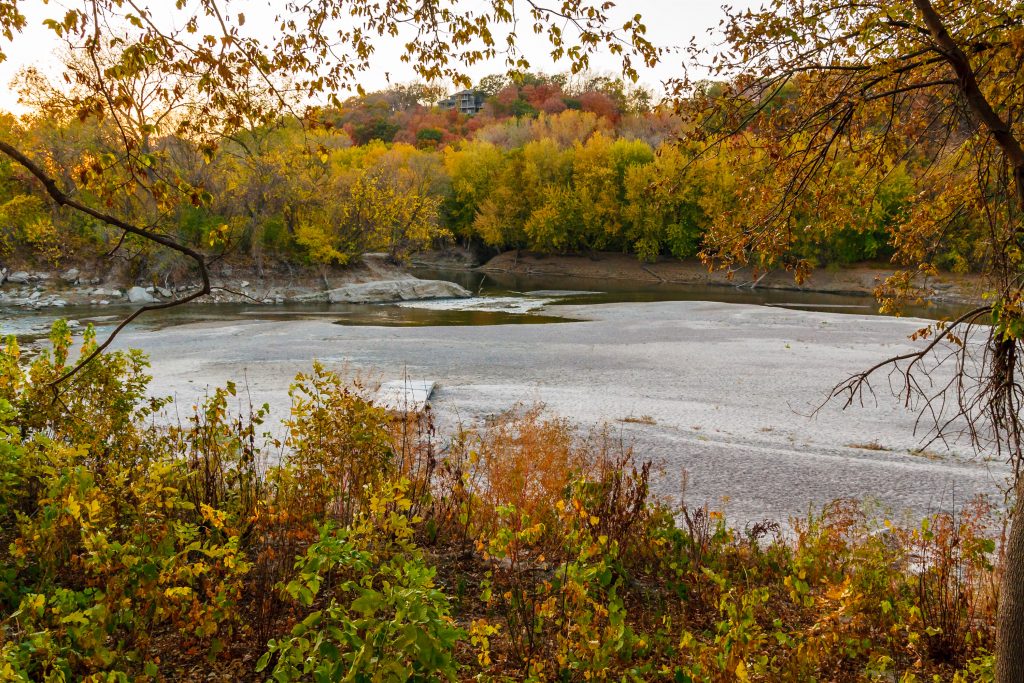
column 135, row 550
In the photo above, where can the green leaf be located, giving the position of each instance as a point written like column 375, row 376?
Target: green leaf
column 329, row 651
column 368, row 603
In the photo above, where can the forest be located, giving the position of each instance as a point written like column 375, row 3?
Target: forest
column 544, row 166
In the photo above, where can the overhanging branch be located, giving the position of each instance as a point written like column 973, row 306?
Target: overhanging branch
column 63, row 199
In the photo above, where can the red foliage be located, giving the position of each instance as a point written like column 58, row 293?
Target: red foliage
column 552, row 105
column 507, row 95
column 600, row 104
column 538, row 95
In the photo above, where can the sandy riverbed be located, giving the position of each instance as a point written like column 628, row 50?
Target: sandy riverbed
column 728, row 388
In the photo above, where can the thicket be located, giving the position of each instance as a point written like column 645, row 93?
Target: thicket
column 591, row 169
column 349, row 544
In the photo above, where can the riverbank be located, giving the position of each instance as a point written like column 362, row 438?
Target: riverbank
column 374, row 279
column 859, row 279
column 96, row 285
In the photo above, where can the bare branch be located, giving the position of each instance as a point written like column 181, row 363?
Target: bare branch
column 63, row 199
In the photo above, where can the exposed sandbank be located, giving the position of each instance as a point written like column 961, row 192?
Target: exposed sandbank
column 720, row 390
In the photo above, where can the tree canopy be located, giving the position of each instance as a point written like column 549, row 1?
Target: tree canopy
column 199, row 71
column 875, row 84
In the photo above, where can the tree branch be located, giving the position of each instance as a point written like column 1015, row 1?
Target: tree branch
column 63, row 199
column 968, row 83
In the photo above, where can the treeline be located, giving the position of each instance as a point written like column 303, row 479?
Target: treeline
column 539, row 168
column 409, row 113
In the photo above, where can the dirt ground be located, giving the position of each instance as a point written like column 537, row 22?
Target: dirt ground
column 860, row 279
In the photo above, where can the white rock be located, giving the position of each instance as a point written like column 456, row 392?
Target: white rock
column 164, row 292
column 70, row 275
column 404, row 396
column 115, row 294
column 137, row 295
column 18, row 278
column 104, row 302
column 406, row 289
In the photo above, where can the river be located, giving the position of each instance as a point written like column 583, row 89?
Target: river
column 715, row 382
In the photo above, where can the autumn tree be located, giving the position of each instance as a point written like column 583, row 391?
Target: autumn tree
column 206, row 73
column 831, row 99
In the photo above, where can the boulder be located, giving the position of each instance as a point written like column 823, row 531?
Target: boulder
column 406, row 289
column 19, row 278
column 164, row 292
column 138, row 295
column 70, row 275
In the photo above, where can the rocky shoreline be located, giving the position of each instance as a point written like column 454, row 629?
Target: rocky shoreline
column 374, row 280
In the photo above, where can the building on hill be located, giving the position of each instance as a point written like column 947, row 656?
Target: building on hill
column 465, row 102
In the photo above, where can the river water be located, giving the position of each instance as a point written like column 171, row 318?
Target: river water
column 718, row 386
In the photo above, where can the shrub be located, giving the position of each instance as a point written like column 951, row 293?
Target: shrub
column 383, row 619
column 375, row 549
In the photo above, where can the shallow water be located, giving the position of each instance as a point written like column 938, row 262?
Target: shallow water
column 695, row 382
column 33, row 325
column 580, row 290
column 501, row 299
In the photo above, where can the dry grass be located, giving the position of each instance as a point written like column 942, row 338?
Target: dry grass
column 641, row 420
column 869, row 446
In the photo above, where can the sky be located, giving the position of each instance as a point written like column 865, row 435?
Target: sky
column 670, row 23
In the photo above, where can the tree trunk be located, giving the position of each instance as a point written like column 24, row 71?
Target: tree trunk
column 1010, row 621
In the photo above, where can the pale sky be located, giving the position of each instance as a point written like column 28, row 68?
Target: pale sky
column 669, row 23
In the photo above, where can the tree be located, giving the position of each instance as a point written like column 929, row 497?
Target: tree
column 208, row 74
column 874, row 85
column 491, row 85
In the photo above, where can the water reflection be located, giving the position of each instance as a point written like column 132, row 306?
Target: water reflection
column 596, row 291
column 501, row 299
